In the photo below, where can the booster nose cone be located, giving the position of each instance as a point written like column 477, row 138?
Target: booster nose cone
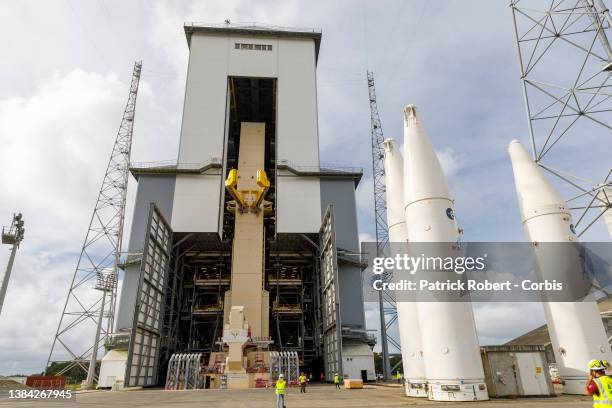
column 394, row 177
column 423, row 175
column 390, row 146
column 536, row 196
column 410, row 115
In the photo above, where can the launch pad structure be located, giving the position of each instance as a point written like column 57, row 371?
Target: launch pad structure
column 244, row 253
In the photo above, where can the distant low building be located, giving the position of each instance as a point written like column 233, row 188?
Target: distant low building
column 21, row 379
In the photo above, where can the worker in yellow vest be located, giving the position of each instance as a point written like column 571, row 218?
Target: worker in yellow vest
column 337, row 381
column 303, row 380
column 399, row 377
column 599, row 385
column 281, row 385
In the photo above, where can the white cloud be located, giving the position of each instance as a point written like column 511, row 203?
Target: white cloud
column 55, row 143
column 450, row 161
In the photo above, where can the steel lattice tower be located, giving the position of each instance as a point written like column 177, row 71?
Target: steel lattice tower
column 88, row 316
column 386, row 303
column 566, row 71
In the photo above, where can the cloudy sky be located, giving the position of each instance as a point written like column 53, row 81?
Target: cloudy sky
column 65, row 71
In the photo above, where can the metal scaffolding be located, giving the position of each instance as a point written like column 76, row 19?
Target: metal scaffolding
column 287, row 294
column 210, row 282
column 12, row 235
column 87, row 314
column 286, row 363
column 566, row 71
column 184, row 372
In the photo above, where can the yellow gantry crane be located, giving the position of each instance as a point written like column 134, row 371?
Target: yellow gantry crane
column 231, row 185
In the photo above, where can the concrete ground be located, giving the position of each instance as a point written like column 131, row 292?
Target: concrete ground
column 324, row 396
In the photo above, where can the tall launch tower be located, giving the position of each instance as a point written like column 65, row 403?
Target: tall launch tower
column 245, row 248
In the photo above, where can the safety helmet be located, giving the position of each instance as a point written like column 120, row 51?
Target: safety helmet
column 596, row 365
column 281, row 376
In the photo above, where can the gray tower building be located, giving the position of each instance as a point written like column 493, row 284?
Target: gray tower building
column 191, row 243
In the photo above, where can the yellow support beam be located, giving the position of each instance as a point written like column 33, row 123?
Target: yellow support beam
column 264, row 184
column 230, row 185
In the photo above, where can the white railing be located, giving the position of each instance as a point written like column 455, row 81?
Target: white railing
column 175, row 165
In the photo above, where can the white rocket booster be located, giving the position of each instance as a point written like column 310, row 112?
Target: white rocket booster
column 576, row 330
column 407, row 318
column 451, row 352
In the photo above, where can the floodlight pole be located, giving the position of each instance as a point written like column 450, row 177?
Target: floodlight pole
column 13, row 236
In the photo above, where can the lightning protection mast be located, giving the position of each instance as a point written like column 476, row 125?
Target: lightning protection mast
column 89, row 309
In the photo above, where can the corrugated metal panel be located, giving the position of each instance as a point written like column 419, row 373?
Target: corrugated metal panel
column 332, row 325
column 145, row 340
